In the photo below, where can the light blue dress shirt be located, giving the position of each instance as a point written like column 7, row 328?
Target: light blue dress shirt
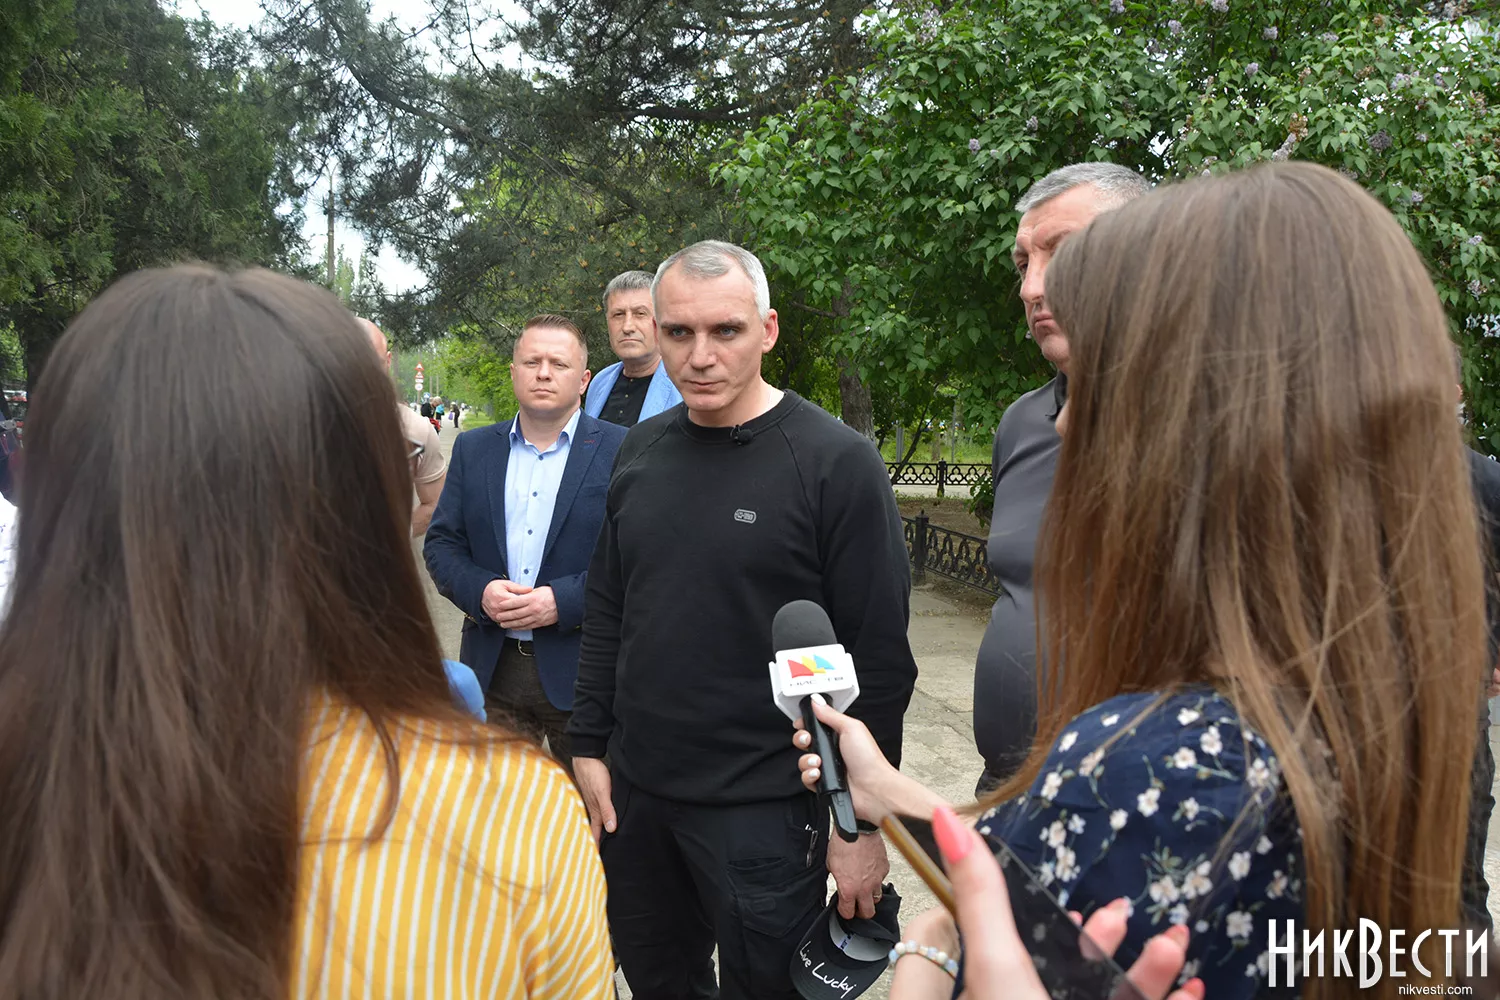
column 531, row 481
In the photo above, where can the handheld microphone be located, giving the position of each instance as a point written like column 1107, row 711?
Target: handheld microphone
column 809, row 660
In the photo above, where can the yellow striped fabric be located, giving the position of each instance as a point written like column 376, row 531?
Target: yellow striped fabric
column 486, row 884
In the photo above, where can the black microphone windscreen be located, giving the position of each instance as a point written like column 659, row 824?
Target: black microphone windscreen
column 801, row 624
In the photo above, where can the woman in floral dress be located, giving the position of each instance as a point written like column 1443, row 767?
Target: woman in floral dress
column 1261, row 576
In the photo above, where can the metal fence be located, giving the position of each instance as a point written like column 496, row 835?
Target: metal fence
column 953, row 554
column 939, row 474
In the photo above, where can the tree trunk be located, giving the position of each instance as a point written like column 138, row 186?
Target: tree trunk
column 904, row 460
column 855, row 398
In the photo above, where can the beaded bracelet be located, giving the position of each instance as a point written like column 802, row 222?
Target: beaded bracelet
column 933, row 955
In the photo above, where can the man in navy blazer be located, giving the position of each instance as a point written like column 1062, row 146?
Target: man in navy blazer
column 636, row 386
column 515, row 529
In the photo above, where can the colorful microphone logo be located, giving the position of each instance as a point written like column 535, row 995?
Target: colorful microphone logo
column 809, row 665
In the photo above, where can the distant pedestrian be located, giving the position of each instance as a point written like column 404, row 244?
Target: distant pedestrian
column 456, row 411
column 428, row 466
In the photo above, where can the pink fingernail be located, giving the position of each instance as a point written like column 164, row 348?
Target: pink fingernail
column 952, row 835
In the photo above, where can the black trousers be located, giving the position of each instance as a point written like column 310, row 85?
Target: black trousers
column 516, row 698
column 683, row 878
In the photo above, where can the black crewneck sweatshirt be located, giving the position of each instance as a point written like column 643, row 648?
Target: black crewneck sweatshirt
column 708, row 531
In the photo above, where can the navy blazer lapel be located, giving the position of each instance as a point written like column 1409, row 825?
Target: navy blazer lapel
column 581, row 454
column 499, row 462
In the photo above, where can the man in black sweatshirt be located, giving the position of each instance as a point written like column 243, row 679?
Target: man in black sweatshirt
column 720, row 511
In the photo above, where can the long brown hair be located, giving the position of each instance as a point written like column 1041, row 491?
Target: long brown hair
column 1263, row 487
column 214, row 527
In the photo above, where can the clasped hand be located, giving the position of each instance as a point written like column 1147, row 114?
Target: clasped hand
column 515, row 606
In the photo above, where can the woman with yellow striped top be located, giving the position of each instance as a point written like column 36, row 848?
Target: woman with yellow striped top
column 229, row 760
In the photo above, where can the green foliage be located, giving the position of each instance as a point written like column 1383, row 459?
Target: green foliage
column 358, row 287
column 891, row 201
column 12, row 356
column 524, row 191
column 533, row 247
column 981, row 502
column 473, row 370
column 128, row 138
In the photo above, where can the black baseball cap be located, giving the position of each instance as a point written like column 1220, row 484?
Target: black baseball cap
column 839, row 959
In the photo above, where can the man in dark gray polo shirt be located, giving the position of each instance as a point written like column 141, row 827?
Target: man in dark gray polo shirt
column 1025, row 457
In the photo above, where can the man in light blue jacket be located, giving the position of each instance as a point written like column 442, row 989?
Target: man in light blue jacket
column 636, row 386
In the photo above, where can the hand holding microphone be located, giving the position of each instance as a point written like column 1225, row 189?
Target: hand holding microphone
column 810, row 663
column 865, row 769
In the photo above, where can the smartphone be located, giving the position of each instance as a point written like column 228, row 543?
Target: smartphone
column 1056, row 944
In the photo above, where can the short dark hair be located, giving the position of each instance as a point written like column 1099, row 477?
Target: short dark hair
column 556, row 321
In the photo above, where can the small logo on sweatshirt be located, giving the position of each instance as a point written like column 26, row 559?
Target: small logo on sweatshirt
column 745, row 516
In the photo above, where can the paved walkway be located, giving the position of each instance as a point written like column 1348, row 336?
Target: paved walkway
column 939, row 743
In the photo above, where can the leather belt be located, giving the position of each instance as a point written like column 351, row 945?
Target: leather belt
column 522, row 646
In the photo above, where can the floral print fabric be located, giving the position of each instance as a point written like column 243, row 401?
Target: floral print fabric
column 1182, row 811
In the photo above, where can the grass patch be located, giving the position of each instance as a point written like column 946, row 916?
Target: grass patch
column 968, row 451
column 471, row 420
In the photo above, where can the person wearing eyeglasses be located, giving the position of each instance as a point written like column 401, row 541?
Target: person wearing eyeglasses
column 429, row 469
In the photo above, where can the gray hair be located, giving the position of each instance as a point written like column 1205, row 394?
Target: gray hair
column 627, row 281
column 713, row 259
column 1116, row 184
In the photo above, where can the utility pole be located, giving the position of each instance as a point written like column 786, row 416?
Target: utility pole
column 332, row 176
